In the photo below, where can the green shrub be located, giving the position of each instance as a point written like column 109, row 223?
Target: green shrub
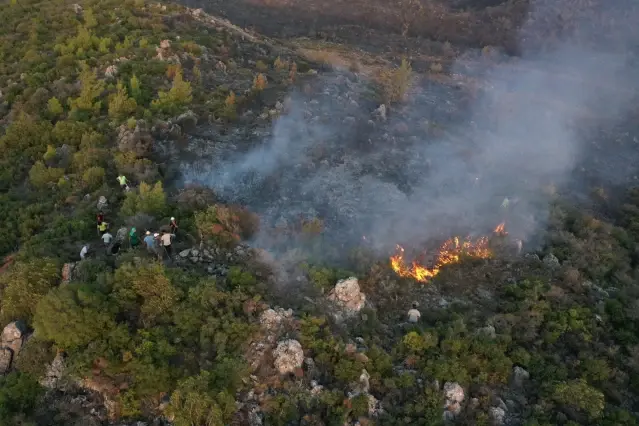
column 70, row 320
column 19, row 394
column 148, row 199
column 43, row 177
column 34, row 357
column 579, row 394
column 24, row 285
column 94, row 177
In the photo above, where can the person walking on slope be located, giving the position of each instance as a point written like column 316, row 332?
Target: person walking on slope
column 84, row 252
column 166, row 243
column 133, row 238
column 123, row 182
column 107, row 238
column 102, row 228
column 174, row 226
column 100, row 217
column 414, row 314
column 149, row 242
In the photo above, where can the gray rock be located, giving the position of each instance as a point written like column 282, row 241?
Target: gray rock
column 488, row 331
column 185, row 253
column 497, row 415
column 138, row 140
column 102, row 203
column 454, row 395
column 10, row 344
column 195, row 252
column 288, row 356
column 551, row 261
column 519, row 376
column 54, row 373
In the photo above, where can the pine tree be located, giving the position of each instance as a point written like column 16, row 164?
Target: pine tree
column 120, row 104
column 92, row 88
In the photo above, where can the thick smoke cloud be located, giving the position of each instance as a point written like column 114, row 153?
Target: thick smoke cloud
column 395, row 182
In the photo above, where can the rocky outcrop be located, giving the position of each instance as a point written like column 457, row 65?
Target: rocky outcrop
column 111, row 71
column 10, row 344
column 288, row 356
column 347, row 296
column 53, row 377
column 68, row 272
column 551, row 261
column 454, row 395
column 519, row 376
column 138, row 140
column 497, row 415
column 107, row 389
column 272, row 319
column 102, row 203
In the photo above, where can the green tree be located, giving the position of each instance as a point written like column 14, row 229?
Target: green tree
column 145, row 289
column 579, row 394
column 72, row 317
column 55, row 107
column 136, row 90
column 94, row 177
column 43, row 177
column 18, row 397
column 92, row 89
column 149, row 199
column 89, row 18
column 120, row 104
column 24, row 285
column 195, row 402
column 176, row 98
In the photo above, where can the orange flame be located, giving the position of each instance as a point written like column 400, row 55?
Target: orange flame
column 501, row 229
column 450, row 252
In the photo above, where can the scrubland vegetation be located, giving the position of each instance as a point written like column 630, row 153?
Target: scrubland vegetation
column 83, row 85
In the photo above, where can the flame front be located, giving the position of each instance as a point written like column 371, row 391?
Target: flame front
column 450, row 252
column 501, row 229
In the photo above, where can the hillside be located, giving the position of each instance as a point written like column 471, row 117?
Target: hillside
column 318, row 173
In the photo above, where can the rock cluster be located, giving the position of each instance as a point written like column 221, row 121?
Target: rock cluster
column 454, row 395
column 137, row 140
column 10, row 344
column 289, row 356
column 348, row 296
column 68, row 272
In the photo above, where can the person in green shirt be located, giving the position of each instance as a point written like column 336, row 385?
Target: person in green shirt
column 134, row 240
column 123, row 182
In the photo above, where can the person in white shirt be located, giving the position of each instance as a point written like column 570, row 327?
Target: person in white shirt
column 84, row 252
column 166, row 242
column 414, row 314
column 107, row 237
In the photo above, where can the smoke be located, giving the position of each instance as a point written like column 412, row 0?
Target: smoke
column 437, row 166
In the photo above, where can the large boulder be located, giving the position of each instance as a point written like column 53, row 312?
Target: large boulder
column 54, row 373
column 271, row 319
column 137, row 140
column 10, row 344
column 454, row 395
column 68, row 270
column 289, row 356
column 347, row 295
column 519, row 376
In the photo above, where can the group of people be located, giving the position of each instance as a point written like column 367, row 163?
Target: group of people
column 157, row 243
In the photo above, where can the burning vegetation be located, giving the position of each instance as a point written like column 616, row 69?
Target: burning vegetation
column 452, row 251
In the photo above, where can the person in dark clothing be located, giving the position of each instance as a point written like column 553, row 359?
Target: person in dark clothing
column 174, row 226
column 100, row 217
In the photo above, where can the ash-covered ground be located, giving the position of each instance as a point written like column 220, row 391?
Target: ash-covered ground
column 442, row 162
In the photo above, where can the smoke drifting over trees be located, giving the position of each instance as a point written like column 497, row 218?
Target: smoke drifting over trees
column 397, row 181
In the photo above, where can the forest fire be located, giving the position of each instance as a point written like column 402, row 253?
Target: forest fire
column 450, row 252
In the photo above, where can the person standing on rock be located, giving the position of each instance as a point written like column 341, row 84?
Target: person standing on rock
column 100, row 217
column 414, row 314
column 174, row 226
column 166, row 242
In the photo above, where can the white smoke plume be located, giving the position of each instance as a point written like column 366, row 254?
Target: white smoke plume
column 527, row 128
